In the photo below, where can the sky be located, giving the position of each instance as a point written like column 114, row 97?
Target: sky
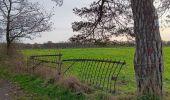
column 63, row 18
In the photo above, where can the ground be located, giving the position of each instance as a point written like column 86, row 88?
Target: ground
column 5, row 89
column 11, row 91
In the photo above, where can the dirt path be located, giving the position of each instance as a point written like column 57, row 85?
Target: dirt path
column 5, row 89
column 11, row 91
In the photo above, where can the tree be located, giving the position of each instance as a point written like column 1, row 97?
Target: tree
column 0, row 34
column 148, row 60
column 168, row 43
column 58, row 2
column 104, row 19
column 81, row 39
column 139, row 19
column 22, row 19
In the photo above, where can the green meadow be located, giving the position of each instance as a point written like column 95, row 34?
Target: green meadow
column 122, row 53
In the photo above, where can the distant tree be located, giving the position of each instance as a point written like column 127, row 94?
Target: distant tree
column 168, row 43
column 80, row 39
column 164, row 43
column 22, row 19
column 102, row 42
column 49, row 44
column 58, row 2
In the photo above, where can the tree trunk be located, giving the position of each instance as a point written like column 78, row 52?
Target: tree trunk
column 8, row 36
column 148, row 62
column 8, row 44
column 8, row 40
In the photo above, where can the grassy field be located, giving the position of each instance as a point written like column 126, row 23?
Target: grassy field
column 125, row 53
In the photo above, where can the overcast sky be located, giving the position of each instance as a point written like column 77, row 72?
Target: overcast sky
column 63, row 18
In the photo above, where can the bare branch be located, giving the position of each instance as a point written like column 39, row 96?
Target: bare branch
column 23, row 19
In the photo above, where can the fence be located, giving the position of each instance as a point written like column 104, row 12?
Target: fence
column 98, row 73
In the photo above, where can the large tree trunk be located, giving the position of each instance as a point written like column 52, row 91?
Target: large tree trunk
column 148, row 62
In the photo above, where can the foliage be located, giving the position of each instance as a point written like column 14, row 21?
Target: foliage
column 58, row 2
column 104, row 18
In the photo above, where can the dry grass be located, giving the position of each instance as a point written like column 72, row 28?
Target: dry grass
column 17, row 64
column 75, row 85
column 47, row 73
column 51, row 75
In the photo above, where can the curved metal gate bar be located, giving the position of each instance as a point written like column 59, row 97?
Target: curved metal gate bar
column 100, row 73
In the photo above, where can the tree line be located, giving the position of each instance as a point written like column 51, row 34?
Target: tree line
column 64, row 45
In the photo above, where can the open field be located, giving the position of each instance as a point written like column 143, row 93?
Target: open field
column 127, row 54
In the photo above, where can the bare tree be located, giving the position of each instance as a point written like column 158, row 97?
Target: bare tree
column 139, row 19
column 58, row 2
column 22, row 19
column 1, row 35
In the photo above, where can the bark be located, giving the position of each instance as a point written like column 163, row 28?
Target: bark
column 8, row 28
column 148, row 62
column 8, row 35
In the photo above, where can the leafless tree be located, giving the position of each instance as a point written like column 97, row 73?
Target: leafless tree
column 22, row 19
column 58, row 2
column 136, row 18
column 1, row 35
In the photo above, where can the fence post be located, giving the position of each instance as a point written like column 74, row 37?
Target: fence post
column 59, row 64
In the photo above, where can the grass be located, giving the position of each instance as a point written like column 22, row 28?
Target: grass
column 34, row 84
column 124, row 53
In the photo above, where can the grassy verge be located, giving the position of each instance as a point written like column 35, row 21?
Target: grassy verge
column 35, row 85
